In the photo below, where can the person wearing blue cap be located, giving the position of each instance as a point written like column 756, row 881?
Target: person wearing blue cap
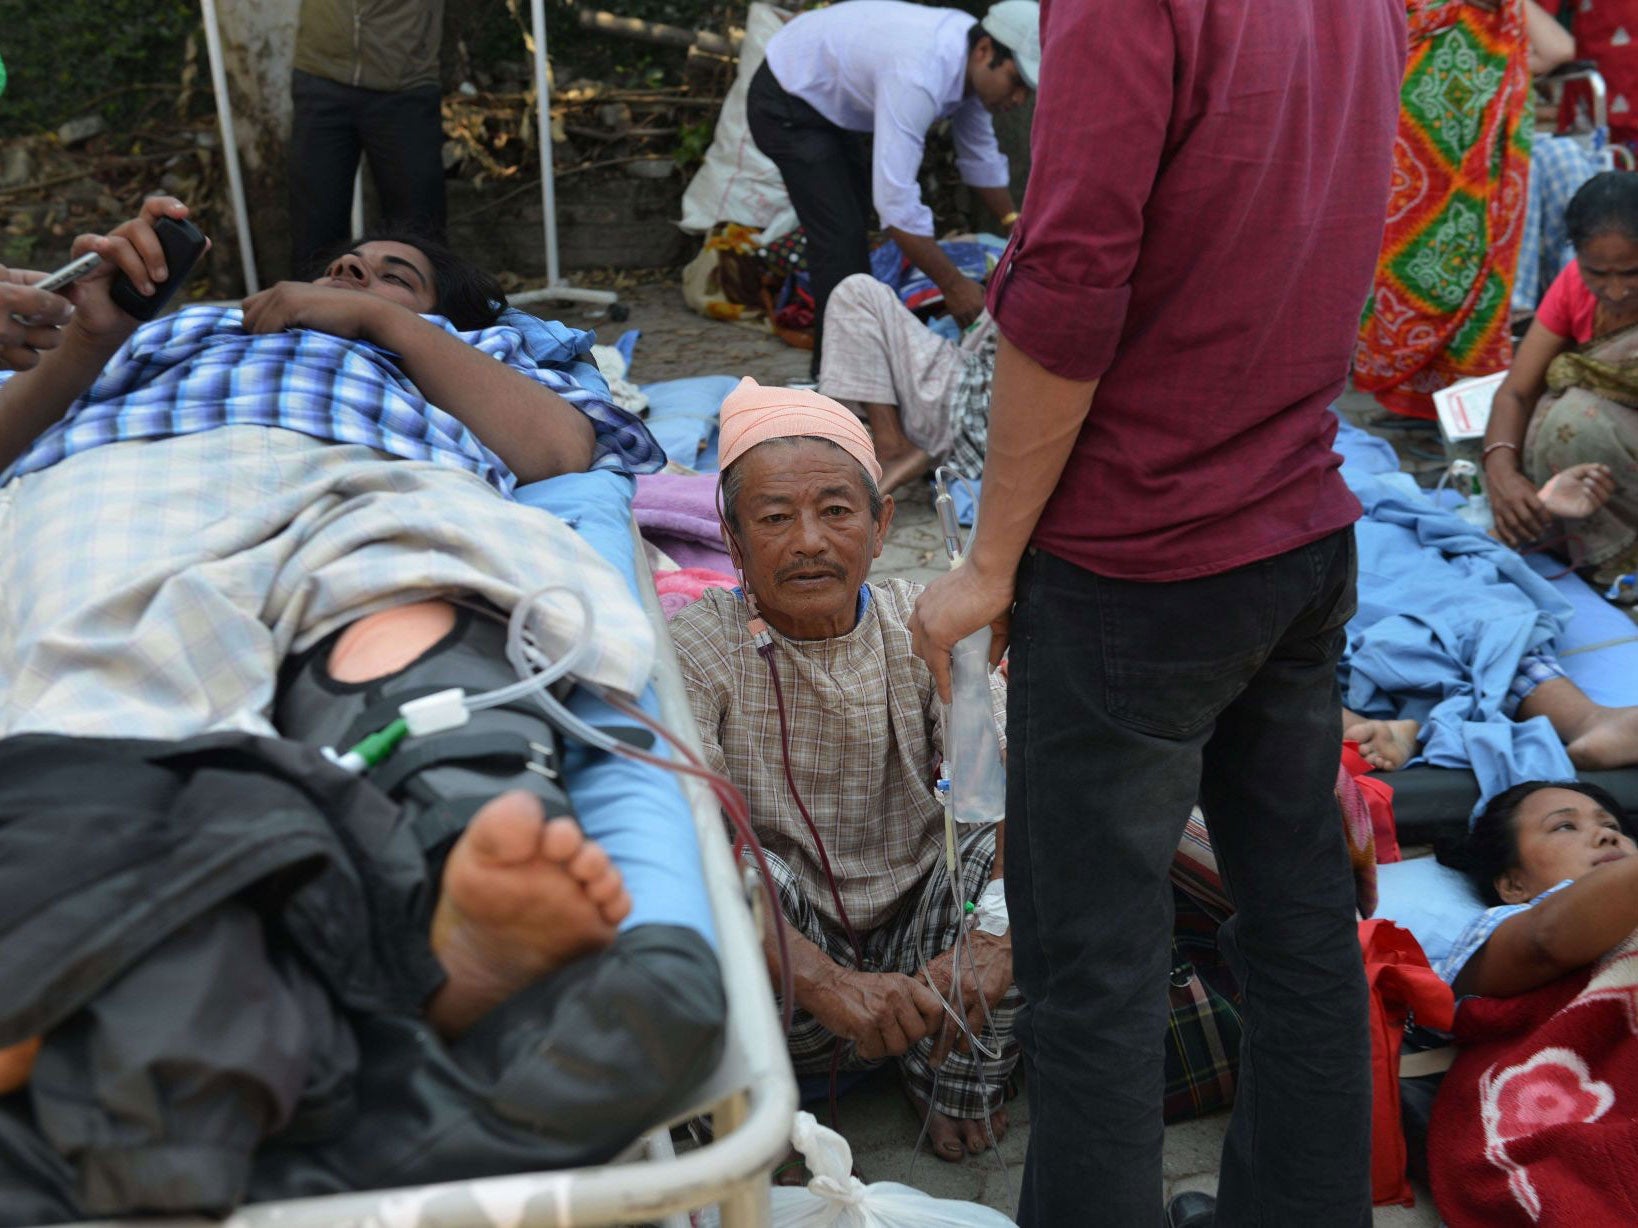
column 889, row 70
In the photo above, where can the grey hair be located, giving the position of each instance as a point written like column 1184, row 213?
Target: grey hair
column 733, row 478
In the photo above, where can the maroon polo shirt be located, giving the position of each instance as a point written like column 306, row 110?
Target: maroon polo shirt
column 1207, row 192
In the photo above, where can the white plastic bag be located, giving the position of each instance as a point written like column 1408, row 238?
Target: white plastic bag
column 837, row 1199
column 737, row 182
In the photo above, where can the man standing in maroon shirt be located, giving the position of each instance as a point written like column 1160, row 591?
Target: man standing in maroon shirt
column 1165, row 529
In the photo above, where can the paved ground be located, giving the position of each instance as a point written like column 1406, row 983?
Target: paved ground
column 874, row 1116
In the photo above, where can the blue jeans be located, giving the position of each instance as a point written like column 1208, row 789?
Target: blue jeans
column 1128, row 703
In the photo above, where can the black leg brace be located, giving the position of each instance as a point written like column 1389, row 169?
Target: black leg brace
column 443, row 778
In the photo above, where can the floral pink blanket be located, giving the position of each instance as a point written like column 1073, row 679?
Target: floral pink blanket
column 1537, row 1121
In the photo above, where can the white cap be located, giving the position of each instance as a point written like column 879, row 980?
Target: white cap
column 1017, row 24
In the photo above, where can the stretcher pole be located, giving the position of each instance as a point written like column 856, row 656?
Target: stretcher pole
column 555, row 289
column 230, row 145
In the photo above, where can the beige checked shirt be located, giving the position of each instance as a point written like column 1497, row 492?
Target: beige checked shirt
column 866, row 733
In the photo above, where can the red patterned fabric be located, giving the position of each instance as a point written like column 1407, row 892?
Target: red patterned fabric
column 1439, row 309
column 1537, row 1121
column 1606, row 32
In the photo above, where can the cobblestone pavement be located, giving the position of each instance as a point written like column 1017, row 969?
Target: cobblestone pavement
column 874, row 1116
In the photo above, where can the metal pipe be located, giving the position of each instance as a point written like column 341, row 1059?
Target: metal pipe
column 554, row 290
column 230, row 144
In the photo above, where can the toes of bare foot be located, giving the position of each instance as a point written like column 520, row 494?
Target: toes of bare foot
column 521, row 896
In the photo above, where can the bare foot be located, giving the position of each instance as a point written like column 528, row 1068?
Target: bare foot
column 953, row 1137
column 522, row 896
column 1385, row 745
column 1609, row 739
column 901, row 467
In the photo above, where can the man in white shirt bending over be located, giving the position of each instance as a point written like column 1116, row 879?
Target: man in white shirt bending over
column 889, row 69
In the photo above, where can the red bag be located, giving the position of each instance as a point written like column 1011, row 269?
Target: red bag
column 1401, row 984
column 1379, row 797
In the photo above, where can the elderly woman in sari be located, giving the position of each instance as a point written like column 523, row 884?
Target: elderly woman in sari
column 1567, row 414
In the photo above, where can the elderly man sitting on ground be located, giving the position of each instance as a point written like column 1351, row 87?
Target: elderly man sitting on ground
column 834, row 733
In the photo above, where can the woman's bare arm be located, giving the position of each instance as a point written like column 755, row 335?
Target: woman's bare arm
column 1568, row 930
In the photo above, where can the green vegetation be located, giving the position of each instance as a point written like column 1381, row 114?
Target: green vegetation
column 67, row 58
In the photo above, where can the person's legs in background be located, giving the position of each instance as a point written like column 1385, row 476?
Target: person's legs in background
column 403, row 135
column 901, row 373
column 324, row 149
column 1298, row 1147
column 1113, row 689
column 820, row 164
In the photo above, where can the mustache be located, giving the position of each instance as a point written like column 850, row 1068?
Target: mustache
column 829, row 569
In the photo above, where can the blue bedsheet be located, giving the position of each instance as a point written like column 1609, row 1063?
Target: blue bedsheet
column 1445, row 614
column 638, row 813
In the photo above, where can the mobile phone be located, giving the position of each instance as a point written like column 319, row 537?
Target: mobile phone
column 72, row 271
column 183, row 244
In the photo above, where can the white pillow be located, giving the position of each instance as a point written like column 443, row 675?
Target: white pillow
column 1434, row 902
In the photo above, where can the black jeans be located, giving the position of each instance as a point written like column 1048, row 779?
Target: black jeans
column 1128, row 703
column 402, row 134
column 827, row 173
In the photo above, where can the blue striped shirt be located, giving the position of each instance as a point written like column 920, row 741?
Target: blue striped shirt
column 197, row 369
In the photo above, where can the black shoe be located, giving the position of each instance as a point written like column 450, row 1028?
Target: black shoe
column 1191, row 1209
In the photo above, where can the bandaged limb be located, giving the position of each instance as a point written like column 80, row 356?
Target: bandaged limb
column 351, row 685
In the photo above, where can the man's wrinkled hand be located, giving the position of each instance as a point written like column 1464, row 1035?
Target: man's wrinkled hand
column 884, row 1014
column 352, row 314
column 950, row 609
column 986, row 975
column 964, row 301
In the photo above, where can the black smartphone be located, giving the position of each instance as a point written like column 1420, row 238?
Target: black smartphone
column 183, row 243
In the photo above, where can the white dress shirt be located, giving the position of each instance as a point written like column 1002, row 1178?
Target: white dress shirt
column 893, row 69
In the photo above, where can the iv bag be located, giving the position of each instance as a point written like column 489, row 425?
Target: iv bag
column 978, row 778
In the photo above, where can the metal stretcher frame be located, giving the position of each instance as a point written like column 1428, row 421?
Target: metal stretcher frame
column 750, row 1098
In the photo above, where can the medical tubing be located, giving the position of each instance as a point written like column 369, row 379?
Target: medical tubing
column 531, row 681
column 738, row 811
column 944, row 493
column 790, row 781
column 519, row 651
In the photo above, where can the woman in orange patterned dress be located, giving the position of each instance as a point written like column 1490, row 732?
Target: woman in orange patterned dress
column 1439, row 309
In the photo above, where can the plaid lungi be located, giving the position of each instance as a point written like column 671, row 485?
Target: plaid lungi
column 152, row 588
column 969, row 1085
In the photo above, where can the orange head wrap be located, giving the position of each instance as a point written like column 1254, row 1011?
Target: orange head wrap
column 753, row 414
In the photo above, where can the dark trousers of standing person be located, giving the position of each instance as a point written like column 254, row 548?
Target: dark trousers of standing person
column 827, row 174
column 401, row 132
column 1128, row 702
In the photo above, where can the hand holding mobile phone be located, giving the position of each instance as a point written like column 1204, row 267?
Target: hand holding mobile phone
column 183, row 244
column 70, row 272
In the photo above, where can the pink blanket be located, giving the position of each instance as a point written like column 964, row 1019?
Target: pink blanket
column 679, row 588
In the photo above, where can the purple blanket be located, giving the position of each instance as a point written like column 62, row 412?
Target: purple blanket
column 678, row 514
